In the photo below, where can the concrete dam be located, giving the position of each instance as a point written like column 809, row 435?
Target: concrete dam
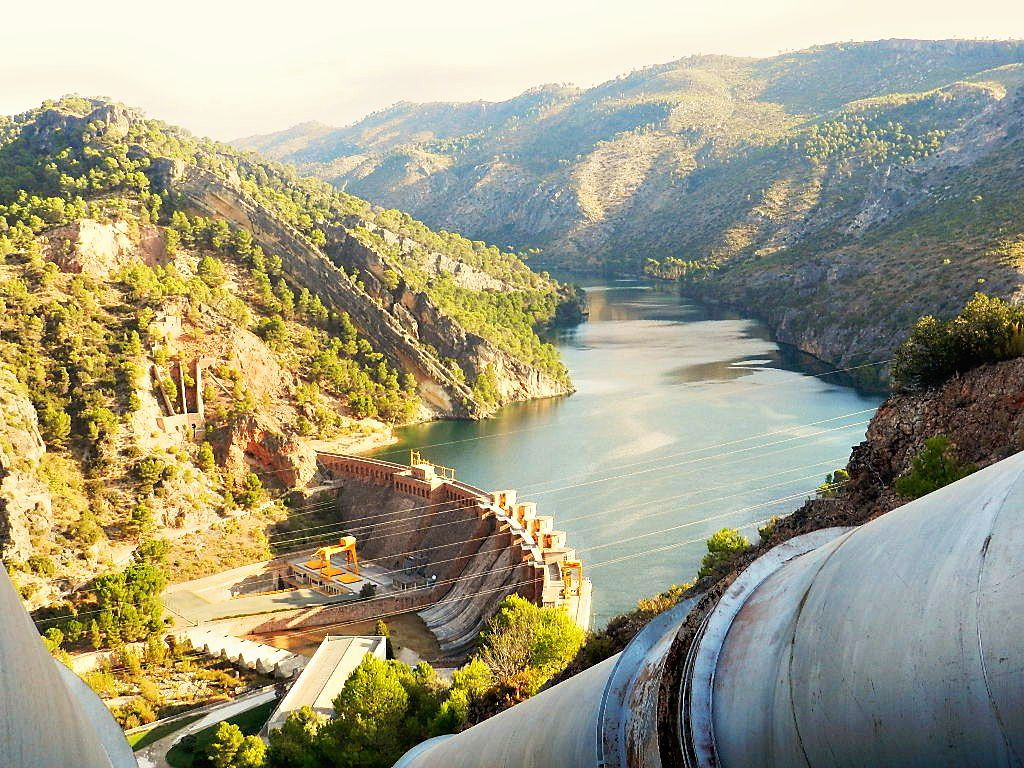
column 897, row 643
column 455, row 551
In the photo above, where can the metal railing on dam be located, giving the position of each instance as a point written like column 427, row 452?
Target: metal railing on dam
column 896, row 643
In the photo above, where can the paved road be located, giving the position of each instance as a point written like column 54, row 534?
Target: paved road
column 155, row 755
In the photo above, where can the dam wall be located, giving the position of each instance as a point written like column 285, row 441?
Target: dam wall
column 458, row 549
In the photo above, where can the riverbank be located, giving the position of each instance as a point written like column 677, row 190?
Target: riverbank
column 684, row 419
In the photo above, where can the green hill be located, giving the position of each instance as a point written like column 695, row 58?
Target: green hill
column 812, row 187
column 183, row 324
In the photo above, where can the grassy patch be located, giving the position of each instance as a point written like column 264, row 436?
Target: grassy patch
column 143, row 739
column 193, row 755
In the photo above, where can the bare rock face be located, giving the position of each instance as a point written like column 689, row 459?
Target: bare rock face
column 310, row 268
column 426, row 323
column 24, row 500
column 264, row 378
column 981, row 412
column 258, row 443
column 99, row 249
column 462, row 274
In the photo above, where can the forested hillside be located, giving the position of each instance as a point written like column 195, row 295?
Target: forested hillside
column 181, row 325
column 813, row 187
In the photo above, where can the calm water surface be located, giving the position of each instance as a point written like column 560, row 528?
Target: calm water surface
column 681, row 424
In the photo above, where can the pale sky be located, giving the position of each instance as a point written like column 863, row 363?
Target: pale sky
column 228, row 69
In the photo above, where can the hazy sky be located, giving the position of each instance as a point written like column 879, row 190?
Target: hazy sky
column 228, row 69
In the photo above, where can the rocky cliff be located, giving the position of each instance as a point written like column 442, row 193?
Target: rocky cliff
column 25, row 503
column 406, row 325
column 981, row 412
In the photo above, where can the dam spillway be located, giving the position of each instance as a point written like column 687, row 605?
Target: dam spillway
column 895, row 643
column 457, row 549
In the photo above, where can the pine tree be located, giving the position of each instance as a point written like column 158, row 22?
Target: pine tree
column 95, row 636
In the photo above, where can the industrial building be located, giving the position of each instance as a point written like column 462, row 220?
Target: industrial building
column 324, row 676
column 331, row 570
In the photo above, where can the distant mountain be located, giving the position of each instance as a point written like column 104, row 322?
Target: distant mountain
column 824, row 189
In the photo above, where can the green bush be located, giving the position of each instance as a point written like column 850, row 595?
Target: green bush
column 723, row 547
column 833, row 482
column 935, row 466
column 41, row 565
column 986, row 331
column 524, row 646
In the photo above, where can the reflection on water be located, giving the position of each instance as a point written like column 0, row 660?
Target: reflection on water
column 683, row 422
column 716, row 370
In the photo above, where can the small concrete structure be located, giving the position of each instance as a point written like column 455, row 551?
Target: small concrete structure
column 324, row 676
column 180, row 416
column 265, row 659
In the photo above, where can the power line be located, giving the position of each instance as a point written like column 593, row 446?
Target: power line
column 317, row 507
column 620, row 540
column 473, row 504
column 677, row 464
column 603, row 563
column 561, row 521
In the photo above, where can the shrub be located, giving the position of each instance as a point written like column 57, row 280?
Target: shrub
column 524, row 646
column 73, row 630
column 151, row 470
column 935, row 466
column 833, row 482
column 252, row 493
column 367, row 591
column 53, row 638
column 204, row 458
column 149, row 691
column 135, row 713
column 723, row 547
column 987, row 330
column 103, row 683
column 41, row 565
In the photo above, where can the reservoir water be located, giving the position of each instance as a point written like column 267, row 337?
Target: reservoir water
column 682, row 424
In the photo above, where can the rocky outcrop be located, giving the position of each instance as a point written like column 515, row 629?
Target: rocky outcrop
column 464, row 275
column 259, row 441
column 401, row 328
column 100, row 249
column 25, row 502
column 310, row 268
column 899, row 188
column 427, row 324
column 981, row 412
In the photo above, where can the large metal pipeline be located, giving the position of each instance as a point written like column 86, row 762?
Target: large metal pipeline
column 49, row 718
column 897, row 643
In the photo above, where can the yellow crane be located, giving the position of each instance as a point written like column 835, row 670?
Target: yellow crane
column 322, row 561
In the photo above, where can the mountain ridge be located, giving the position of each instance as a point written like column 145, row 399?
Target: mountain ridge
column 761, row 170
